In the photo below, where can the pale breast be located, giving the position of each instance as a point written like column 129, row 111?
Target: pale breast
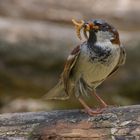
column 95, row 70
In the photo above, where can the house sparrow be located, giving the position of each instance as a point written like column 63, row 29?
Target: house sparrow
column 90, row 63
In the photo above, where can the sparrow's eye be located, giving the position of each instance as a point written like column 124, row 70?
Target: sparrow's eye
column 105, row 27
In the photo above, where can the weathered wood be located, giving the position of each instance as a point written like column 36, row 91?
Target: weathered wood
column 115, row 123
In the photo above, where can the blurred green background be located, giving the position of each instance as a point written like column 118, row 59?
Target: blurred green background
column 36, row 37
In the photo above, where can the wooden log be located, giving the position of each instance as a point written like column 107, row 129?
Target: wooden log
column 116, row 123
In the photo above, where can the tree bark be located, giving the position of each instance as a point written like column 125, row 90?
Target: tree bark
column 115, row 123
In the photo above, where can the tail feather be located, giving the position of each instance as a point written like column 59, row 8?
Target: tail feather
column 57, row 93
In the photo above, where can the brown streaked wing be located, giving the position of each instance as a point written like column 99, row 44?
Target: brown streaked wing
column 69, row 65
column 121, row 60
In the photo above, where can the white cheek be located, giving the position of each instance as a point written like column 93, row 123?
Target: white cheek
column 111, row 38
column 104, row 36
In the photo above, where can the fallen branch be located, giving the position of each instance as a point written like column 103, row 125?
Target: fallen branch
column 115, row 123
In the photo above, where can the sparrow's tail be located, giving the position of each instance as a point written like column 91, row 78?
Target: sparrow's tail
column 57, row 93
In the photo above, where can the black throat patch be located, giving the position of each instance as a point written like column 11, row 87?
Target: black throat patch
column 97, row 53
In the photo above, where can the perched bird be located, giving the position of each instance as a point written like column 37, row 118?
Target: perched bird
column 90, row 63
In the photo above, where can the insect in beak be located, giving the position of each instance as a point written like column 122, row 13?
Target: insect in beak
column 86, row 27
column 78, row 26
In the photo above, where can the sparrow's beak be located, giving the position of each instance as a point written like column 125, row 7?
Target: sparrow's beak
column 90, row 26
column 87, row 26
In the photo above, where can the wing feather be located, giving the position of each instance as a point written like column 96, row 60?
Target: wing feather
column 70, row 63
column 60, row 91
column 121, row 60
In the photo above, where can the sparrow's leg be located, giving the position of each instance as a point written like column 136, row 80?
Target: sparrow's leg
column 88, row 109
column 100, row 99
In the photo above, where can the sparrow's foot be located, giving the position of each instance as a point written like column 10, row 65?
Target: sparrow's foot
column 104, row 105
column 93, row 112
column 88, row 109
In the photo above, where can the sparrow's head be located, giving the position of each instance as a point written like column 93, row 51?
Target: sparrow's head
column 98, row 29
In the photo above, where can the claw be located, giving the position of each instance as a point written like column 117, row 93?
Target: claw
column 78, row 26
column 93, row 112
